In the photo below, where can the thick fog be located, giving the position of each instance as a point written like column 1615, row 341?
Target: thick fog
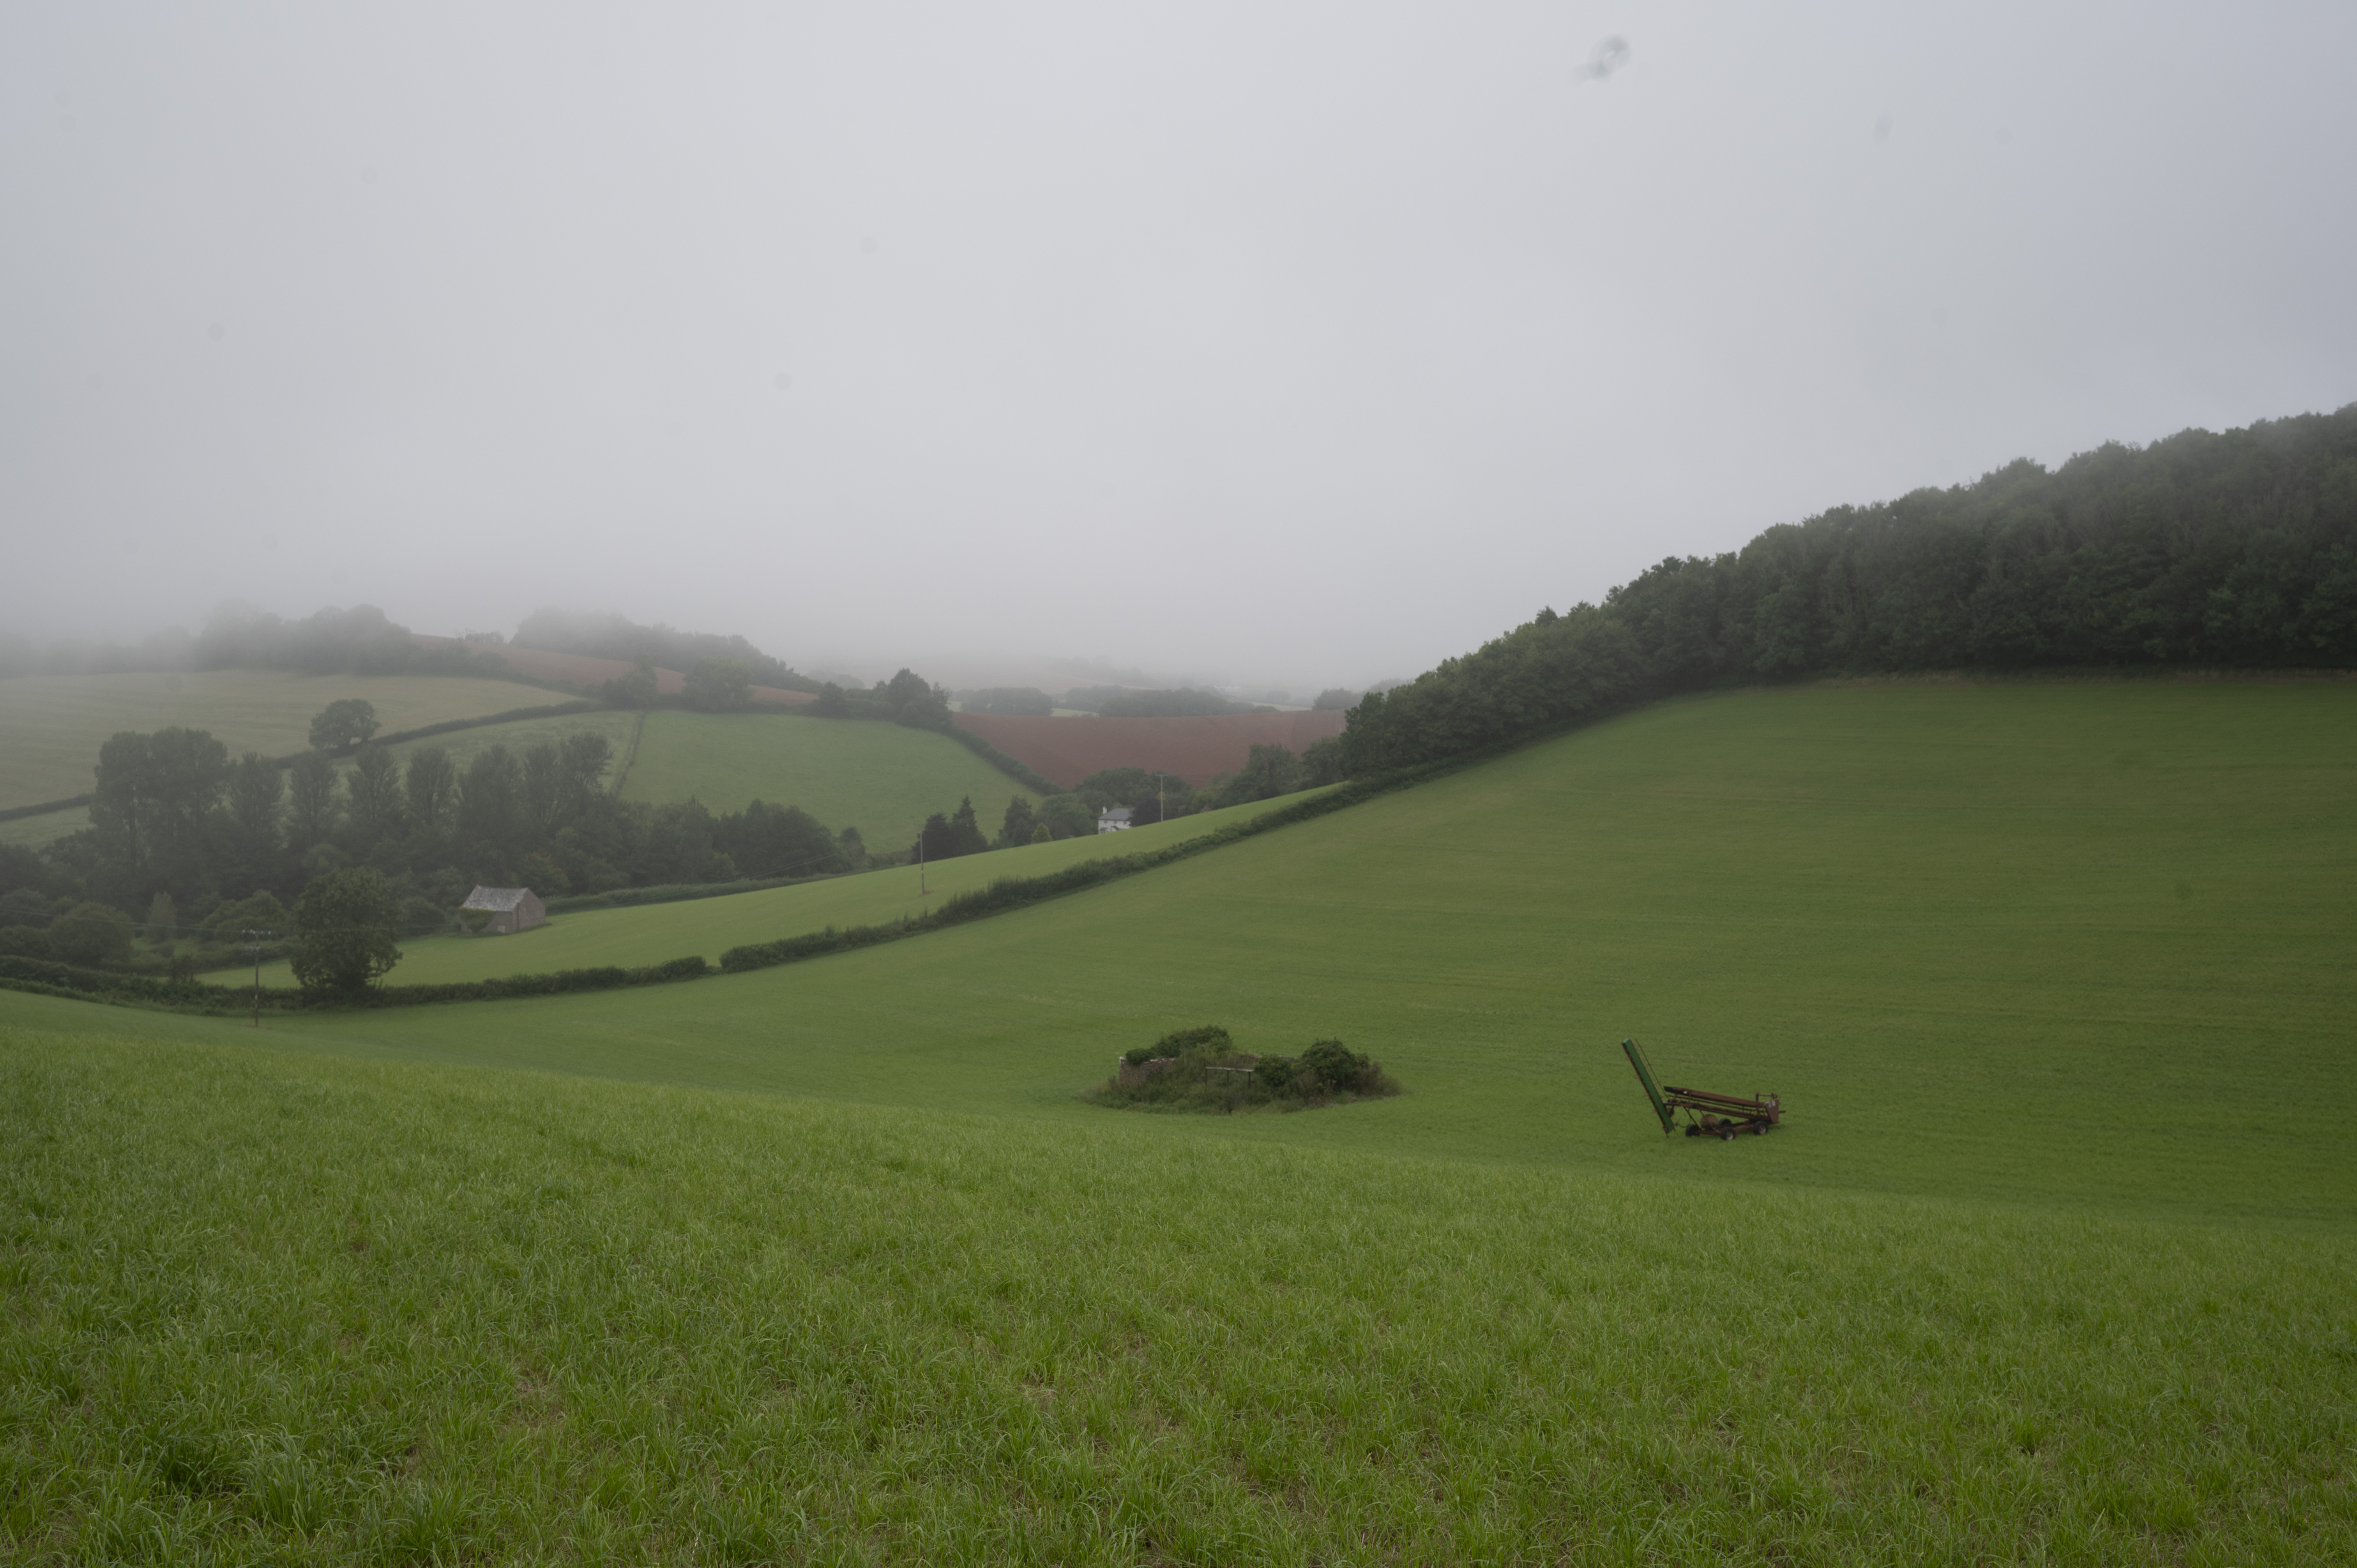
column 1297, row 344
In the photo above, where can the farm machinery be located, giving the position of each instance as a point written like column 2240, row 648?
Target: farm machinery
column 1708, row 1115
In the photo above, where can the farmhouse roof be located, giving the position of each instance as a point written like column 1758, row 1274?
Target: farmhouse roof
column 1114, row 814
column 499, row 900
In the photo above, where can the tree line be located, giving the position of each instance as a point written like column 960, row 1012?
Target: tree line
column 2202, row 550
column 178, row 825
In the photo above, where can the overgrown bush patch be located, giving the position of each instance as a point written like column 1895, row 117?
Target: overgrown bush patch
column 1200, row 1070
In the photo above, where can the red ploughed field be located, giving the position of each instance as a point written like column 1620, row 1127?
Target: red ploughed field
column 1195, row 750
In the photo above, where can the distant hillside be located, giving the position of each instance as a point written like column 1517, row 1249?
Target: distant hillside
column 607, row 636
column 1196, row 749
column 589, row 673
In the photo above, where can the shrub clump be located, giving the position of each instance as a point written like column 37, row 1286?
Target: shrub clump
column 1200, row 1070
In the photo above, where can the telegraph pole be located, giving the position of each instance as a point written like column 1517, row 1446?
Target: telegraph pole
column 253, row 948
column 920, row 862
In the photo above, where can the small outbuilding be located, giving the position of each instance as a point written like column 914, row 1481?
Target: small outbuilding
column 1113, row 820
column 512, row 909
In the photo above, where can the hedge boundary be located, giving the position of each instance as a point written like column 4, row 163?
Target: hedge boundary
column 44, row 808
column 50, row 977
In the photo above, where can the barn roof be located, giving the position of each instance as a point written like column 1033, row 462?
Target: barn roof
column 499, row 900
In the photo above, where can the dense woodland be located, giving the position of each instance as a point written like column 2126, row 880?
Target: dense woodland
column 2235, row 551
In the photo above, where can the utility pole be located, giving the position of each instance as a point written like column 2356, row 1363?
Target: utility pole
column 253, row 948
column 920, row 862
column 1160, row 811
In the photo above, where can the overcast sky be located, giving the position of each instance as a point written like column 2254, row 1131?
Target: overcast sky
column 1286, row 343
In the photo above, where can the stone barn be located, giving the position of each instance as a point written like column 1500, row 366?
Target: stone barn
column 512, row 909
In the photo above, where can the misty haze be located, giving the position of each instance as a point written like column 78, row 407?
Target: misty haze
column 1178, row 784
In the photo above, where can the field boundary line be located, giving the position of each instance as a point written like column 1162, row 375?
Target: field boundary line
column 630, row 754
column 13, row 814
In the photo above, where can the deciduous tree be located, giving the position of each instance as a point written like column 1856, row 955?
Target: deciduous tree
column 344, row 931
column 343, row 724
column 312, row 787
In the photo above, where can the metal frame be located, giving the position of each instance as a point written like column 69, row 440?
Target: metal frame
column 1708, row 1115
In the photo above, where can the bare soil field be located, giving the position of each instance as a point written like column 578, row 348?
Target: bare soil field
column 1195, row 749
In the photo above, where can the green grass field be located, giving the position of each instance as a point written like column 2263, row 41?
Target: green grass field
column 2049, row 944
column 882, row 779
column 712, row 925
column 52, row 726
column 2053, row 1260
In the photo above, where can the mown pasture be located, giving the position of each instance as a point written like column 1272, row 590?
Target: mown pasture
column 54, row 724
column 883, row 779
column 2052, row 1260
column 709, row 927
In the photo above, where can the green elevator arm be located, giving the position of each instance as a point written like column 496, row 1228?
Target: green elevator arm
column 1653, row 1089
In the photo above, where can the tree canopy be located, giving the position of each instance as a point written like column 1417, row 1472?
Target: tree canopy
column 344, row 927
column 344, row 724
column 2204, row 551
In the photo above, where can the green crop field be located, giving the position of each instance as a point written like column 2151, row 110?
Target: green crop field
column 882, row 779
column 2054, row 1259
column 711, row 926
column 52, row 726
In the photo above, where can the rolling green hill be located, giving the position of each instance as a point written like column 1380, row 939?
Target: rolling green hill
column 52, row 726
column 2051, row 943
column 882, row 779
column 2052, row 1260
column 586, row 938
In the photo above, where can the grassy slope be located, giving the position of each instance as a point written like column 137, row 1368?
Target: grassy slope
column 268, row 1307
column 2054, row 979
column 712, row 925
column 2084, row 944
column 882, row 779
column 52, row 726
